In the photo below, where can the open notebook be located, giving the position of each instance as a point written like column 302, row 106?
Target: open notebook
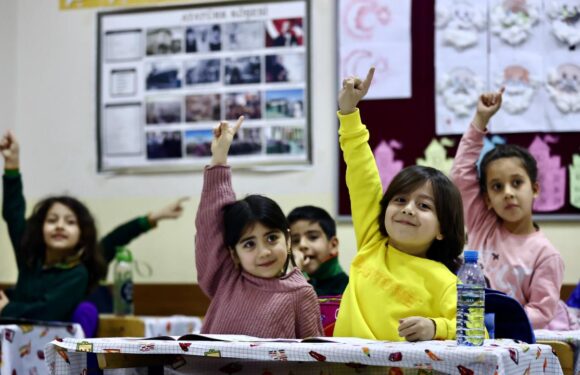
column 245, row 338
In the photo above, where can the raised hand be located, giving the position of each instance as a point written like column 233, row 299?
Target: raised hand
column 416, row 328
column 10, row 151
column 353, row 90
column 171, row 211
column 223, row 135
column 487, row 105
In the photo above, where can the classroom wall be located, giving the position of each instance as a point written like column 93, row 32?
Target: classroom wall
column 47, row 86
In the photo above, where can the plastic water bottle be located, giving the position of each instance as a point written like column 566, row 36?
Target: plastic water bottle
column 470, row 302
column 123, row 282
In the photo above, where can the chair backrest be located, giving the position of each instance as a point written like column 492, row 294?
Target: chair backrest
column 329, row 306
column 511, row 320
column 87, row 316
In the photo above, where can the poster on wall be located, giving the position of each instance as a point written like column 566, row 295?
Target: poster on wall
column 167, row 76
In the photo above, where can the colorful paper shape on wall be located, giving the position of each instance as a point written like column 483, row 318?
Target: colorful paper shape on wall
column 436, row 155
column 488, row 145
column 574, row 169
column 551, row 175
column 387, row 165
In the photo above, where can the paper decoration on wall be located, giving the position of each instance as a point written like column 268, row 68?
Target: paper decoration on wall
column 565, row 19
column 387, row 165
column 551, row 175
column 436, row 155
column 488, row 145
column 512, row 20
column 461, row 22
column 564, row 87
column 574, row 171
column 460, row 89
column 377, row 33
column 520, row 88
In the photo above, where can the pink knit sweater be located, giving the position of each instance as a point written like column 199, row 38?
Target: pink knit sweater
column 285, row 307
column 527, row 267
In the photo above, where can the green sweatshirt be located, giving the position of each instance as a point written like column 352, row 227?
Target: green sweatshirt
column 329, row 279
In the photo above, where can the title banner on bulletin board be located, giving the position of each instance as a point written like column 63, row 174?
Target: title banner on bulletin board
column 81, row 4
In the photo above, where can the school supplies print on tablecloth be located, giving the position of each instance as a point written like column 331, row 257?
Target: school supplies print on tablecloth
column 321, row 354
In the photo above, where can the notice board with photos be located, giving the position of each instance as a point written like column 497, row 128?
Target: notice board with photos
column 167, row 75
column 403, row 131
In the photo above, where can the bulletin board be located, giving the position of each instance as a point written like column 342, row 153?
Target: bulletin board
column 411, row 122
column 167, row 75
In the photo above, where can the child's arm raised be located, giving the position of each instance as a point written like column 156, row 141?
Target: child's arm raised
column 362, row 176
column 13, row 203
column 212, row 258
column 127, row 232
column 464, row 171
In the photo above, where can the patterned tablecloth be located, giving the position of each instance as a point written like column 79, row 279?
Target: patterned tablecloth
column 22, row 346
column 570, row 337
column 351, row 356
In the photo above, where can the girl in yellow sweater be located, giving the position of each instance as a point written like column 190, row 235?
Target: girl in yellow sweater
column 402, row 283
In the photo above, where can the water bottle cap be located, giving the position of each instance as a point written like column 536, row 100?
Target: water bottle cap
column 470, row 256
column 123, row 255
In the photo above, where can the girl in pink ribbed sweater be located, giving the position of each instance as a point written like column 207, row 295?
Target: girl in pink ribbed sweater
column 244, row 262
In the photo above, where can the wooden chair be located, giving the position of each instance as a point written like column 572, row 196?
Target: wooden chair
column 565, row 354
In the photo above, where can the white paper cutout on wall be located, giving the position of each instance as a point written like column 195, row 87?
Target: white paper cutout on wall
column 512, row 21
column 436, row 155
column 574, row 172
column 377, row 33
column 461, row 22
column 563, row 85
column 361, row 18
column 565, row 20
column 387, row 165
column 460, row 90
column 488, row 145
column 520, row 88
column 551, row 175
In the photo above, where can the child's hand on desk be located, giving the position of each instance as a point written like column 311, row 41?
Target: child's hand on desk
column 3, row 300
column 416, row 328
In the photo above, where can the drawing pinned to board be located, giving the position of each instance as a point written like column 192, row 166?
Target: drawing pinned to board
column 461, row 22
column 436, row 155
column 377, row 33
column 387, row 165
column 360, row 19
column 488, row 145
column 460, row 89
column 520, row 88
column 512, row 20
column 563, row 85
column 551, row 175
column 564, row 17
column 574, row 172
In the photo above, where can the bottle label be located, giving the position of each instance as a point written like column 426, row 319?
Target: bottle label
column 127, row 291
column 470, row 315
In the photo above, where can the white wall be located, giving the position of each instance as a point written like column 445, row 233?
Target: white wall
column 48, row 75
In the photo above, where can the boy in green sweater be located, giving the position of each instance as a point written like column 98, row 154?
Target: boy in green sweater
column 313, row 233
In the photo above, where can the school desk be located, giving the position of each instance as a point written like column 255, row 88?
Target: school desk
column 566, row 344
column 22, row 345
column 147, row 326
column 267, row 357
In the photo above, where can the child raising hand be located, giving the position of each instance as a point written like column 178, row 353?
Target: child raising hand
column 402, row 284
column 517, row 257
column 244, row 261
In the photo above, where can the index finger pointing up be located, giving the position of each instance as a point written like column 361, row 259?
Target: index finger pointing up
column 238, row 123
column 368, row 79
